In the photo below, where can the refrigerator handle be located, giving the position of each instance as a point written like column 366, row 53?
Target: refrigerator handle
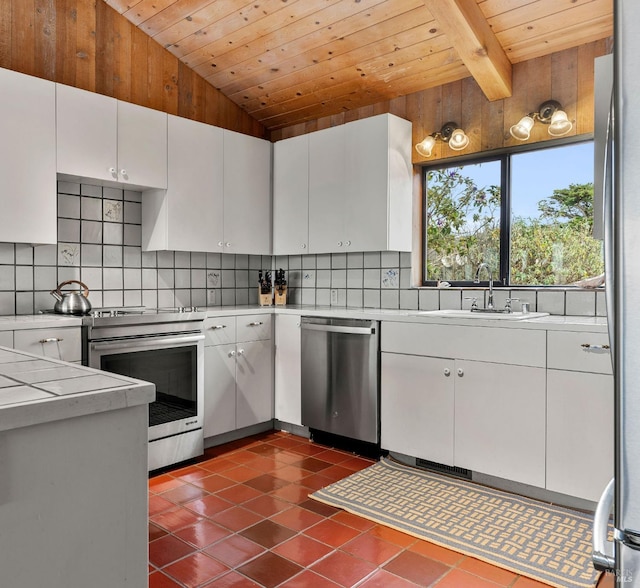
column 603, row 551
column 608, row 213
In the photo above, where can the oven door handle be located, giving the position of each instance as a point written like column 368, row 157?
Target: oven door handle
column 144, row 342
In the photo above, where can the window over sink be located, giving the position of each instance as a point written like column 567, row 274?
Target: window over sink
column 527, row 214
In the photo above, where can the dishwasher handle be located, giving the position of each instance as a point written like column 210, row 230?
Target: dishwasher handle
column 339, row 329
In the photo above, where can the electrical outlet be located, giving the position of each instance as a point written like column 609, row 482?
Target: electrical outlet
column 334, row 297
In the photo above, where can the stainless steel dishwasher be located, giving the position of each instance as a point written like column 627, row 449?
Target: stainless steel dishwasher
column 340, row 377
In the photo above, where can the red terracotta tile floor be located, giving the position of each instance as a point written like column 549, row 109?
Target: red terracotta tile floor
column 240, row 517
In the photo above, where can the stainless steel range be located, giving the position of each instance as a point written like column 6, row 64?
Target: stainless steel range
column 164, row 346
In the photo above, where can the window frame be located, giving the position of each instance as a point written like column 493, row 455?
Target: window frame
column 504, row 156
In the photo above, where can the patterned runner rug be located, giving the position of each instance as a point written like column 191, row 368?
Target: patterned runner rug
column 548, row 543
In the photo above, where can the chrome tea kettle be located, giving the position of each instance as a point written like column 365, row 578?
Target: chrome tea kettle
column 71, row 302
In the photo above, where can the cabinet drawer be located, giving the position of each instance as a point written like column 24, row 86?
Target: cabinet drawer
column 220, row 330
column 59, row 343
column 497, row 345
column 253, row 327
column 578, row 351
column 6, row 338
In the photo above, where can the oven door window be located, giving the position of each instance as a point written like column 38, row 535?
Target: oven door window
column 172, row 370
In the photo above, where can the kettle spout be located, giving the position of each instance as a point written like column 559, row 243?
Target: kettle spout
column 56, row 295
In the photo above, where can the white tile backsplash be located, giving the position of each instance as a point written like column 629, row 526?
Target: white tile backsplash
column 100, row 243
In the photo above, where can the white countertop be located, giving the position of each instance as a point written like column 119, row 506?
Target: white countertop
column 35, row 390
column 550, row 322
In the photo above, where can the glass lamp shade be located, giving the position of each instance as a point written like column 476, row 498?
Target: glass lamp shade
column 522, row 130
column 425, row 147
column 560, row 124
column 458, row 140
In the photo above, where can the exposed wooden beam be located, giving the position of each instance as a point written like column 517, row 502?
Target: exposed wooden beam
column 464, row 24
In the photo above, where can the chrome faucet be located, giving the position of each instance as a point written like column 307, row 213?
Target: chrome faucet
column 477, row 281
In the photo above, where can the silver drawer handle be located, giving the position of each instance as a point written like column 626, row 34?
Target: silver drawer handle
column 595, row 347
column 52, row 340
column 219, row 327
column 256, row 324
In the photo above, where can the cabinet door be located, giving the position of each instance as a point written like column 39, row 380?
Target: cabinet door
column 367, row 184
column 287, row 366
column 195, row 189
column 87, row 133
column 291, row 196
column 254, row 383
column 500, row 420
column 219, row 389
column 580, row 434
column 60, row 343
column 142, row 146
column 247, row 194
column 327, row 190
column 417, row 405
column 28, row 159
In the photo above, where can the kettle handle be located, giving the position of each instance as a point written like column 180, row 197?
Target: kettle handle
column 86, row 290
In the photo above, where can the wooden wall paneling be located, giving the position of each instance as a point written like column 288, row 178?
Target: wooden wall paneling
column 23, row 36
column 564, row 83
column 584, row 99
column 170, row 82
column 123, row 63
column 451, row 111
column 5, row 34
column 414, row 111
column 518, row 105
column 433, row 120
column 155, row 76
column 492, row 134
column 471, row 118
column 45, row 39
column 66, row 32
column 139, row 67
column 397, row 106
column 83, row 15
column 538, row 91
column 105, row 47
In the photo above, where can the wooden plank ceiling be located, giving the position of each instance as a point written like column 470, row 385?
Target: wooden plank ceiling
column 290, row 61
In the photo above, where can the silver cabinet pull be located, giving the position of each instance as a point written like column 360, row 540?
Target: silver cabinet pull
column 232, row 353
column 219, row 327
column 460, row 372
column 589, row 347
column 256, row 324
column 240, row 351
column 52, row 340
column 447, row 372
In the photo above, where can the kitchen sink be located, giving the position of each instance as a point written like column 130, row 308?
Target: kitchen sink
column 467, row 314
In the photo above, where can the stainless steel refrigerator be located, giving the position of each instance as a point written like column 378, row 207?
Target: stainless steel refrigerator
column 622, row 262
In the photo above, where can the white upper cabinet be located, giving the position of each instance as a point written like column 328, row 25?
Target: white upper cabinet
column 360, row 186
column 291, row 196
column 247, row 194
column 327, row 181
column 28, row 162
column 378, row 202
column 101, row 138
column 188, row 216
column 142, row 146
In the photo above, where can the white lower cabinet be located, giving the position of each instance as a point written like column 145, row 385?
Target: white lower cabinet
column 417, row 407
column 63, row 343
column 287, row 369
column 466, row 410
column 580, row 424
column 500, row 420
column 254, row 383
column 580, row 413
column 238, row 376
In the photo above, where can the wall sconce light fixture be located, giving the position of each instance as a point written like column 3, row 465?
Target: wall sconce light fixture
column 549, row 113
column 450, row 133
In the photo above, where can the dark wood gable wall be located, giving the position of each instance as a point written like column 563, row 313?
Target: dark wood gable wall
column 87, row 44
